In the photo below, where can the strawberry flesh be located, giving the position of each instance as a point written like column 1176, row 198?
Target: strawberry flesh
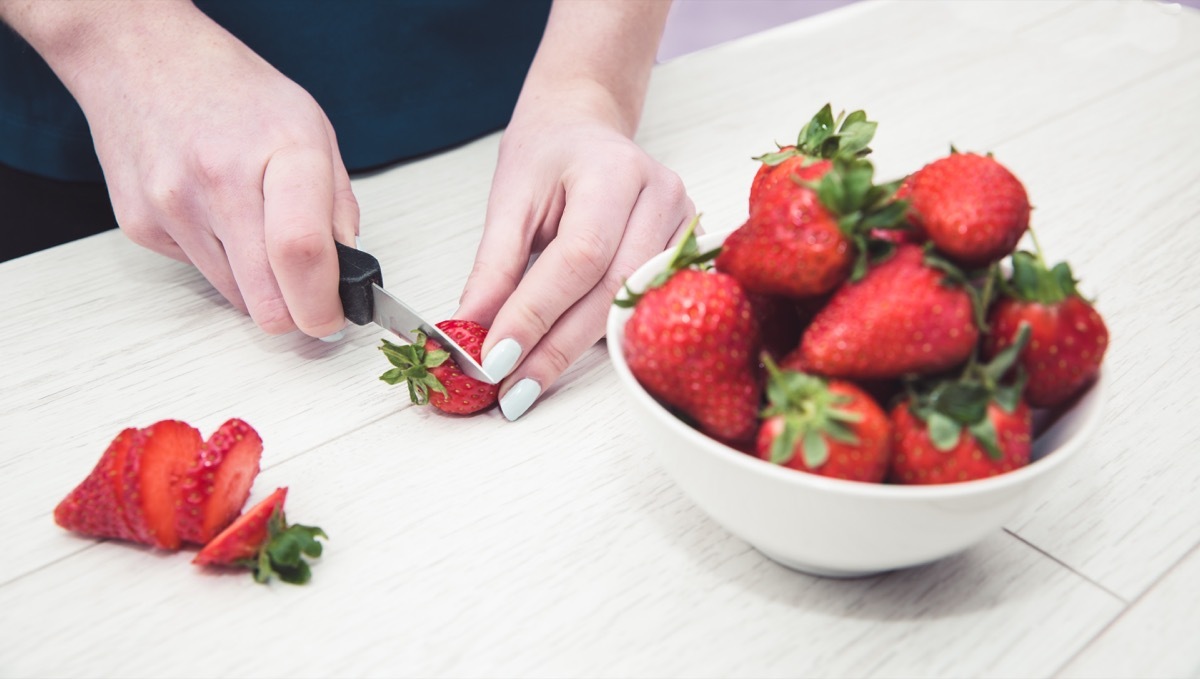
column 215, row 485
column 153, row 469
column 242, row 538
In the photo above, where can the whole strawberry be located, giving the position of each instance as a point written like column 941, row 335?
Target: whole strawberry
column 804, row 239
column 961, row 429
column 1068, row 336
column 830, row 428
column 905, row 317
column 692, row 342
column 972, row 207
column 433, row 377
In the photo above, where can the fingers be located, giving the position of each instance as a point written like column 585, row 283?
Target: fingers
column 298, row 210
column 589, row 233
column 502, row 255
column 345, row 205
column 660, row 213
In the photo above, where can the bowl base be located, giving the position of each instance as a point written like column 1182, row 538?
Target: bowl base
column 819, row 571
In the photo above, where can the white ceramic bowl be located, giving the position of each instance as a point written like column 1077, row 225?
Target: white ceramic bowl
column 832, row 527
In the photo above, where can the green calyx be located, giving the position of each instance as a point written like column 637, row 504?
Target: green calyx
column 848, row 190
column 811, row 414
column 824, row 137
column 949, row 406
column 412, row 363
column 282, row 556
column 687, row 255
column 1033, row 281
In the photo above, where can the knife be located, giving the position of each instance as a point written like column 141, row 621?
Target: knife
column 364, row 301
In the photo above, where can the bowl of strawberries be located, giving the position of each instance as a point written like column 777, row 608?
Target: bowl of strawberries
column 862, row 377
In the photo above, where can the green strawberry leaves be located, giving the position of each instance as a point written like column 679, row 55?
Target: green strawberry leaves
column 687, row 256
column 283, row 554
column 824, row 137
column 412, row 363
column 948, row 406
column 812, row 414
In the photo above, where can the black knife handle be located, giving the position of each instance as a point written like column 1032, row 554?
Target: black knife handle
column 357, row 271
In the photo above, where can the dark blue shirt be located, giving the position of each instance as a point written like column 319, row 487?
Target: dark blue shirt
column 397, row 78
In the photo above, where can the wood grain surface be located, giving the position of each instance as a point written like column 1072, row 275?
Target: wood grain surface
column 555, row 546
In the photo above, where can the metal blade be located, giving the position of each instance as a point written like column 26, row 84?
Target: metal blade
column 400, row 318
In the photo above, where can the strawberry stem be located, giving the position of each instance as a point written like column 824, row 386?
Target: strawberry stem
column 283, row 553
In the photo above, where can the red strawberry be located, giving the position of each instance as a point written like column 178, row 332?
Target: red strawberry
column 917, row 459
column 148, row 487
column 215, row 485
column 904, row 317
column 961, row 429
column 262, row 540
column 92, row 508
column 800, row 242
column 820, row 139
column 828, row 428
column 692, row 342
column 1068, row 338
column 433, row 377
column 970, row 206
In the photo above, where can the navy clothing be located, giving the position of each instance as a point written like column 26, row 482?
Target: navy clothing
column 397, row 78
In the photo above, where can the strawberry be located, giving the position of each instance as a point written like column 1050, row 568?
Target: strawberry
column 803, row 241
column 148, row 486
column 1068, row 337
column 820, row 139
column 904, row 317
column 831, row 428
column 692, row 342
column 433, row 377
column 92, row 508
column 216, row 483
column 972, row 207
column 261, row 540
column 964, row 428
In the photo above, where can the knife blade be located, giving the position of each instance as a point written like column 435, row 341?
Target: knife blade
column 365, row 300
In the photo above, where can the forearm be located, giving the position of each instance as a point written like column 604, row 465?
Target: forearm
column 86, row 43
column 598, row 54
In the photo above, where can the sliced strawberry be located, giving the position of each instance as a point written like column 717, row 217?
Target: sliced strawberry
column 261, row 539
column 214, row 488
column 151, row 477
column 92, row 508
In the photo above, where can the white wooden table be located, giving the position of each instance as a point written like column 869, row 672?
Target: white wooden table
column 555, row 546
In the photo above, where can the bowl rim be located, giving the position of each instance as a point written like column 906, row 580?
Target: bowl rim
column 1050, row 460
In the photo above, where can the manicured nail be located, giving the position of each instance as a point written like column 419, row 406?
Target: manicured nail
column 502, row 358
column 335, row 336
column 519, row 398
column 357, row 243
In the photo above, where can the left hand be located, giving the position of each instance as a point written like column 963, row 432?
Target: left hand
column 572, row 186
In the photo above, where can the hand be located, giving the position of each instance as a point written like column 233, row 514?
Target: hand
column 571, row 186
column 215, row 158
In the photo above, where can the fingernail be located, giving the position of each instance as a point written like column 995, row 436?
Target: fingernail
column 335, row 336
column 519, row 398
column 502, row 358
column 357, row 243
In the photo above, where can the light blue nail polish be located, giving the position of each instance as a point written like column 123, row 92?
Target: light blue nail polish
column 334, row 337
column 502, row 358
column 519, row 398
column 357, row 243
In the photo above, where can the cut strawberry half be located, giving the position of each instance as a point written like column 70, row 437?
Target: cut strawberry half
column 215, row 487
column 92, row 508
column 261, row 540
column 152, row 471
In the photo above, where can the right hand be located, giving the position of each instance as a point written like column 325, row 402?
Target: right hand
column 215, row 158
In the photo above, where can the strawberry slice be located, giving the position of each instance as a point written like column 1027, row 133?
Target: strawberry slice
column 215, row 487
column 261, row 540
column 93, row 508
column 152, row 470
